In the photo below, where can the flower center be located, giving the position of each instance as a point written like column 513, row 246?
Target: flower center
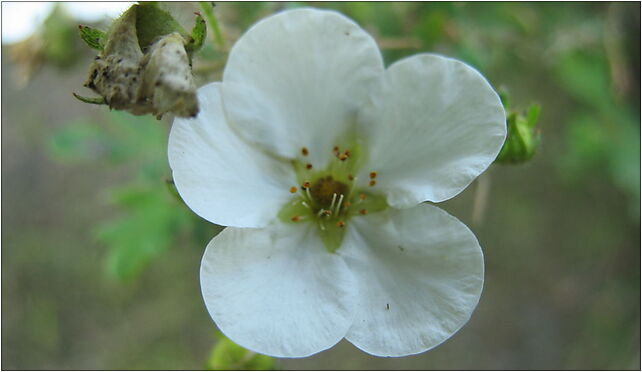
column 330, row 197
column 325, row 191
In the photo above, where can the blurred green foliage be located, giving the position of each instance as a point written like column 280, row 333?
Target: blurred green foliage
column 228, row 356
column 152, row 217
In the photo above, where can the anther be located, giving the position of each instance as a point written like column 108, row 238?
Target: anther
column 347, row 152
column 305, row 151
column 306, row 185
column 335, row 149
column 362, row 196
column 347, row 204
column 363, row 211
column 293, row 189
column 296, row 219
column 327, row 212
column 373, row 182
column 343, row 157
column 341, row 224
column 308, row 166
column 351, row 177
column 373, row 175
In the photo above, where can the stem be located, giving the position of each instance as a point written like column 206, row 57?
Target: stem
column 211, row 19
column 482, row 192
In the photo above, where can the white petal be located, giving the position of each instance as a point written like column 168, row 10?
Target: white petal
column 420, row 273
column 297, row 79
column 440, row 125
column 277, row 291
column 221, row 177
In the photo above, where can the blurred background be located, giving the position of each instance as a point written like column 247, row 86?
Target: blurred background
column 100, row 261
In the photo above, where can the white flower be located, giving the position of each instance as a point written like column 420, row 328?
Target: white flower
column 308, row 259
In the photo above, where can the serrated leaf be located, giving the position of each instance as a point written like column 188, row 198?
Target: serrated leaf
column 93, row 37
column 146, row 230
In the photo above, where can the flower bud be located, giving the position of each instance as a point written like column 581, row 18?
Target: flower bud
column 522, row 138
column 144, row 65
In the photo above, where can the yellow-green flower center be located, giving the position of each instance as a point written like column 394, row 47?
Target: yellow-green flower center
column 330, row 197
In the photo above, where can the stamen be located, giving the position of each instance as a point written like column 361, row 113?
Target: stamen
column 328, row 213
column 334, row 199
column 308, row 166
column 373, row 175
column 347, row 204
column 363, row 196
column 305, row 151
column 352, row 187
column 306, row 185
column 293, row 189
column 339, row 205
column 307, row 192
column 343, row 157
column 296, row 219
column 341, row 224
column 373, row 182
column 363, row 211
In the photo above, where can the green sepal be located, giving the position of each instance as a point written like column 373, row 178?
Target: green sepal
column 93, row 101
column 533, row 114
column 93, row 37
column 372, row 204
column 152, row 22
column 293, row 208
column 331, row 235
column 199, row 32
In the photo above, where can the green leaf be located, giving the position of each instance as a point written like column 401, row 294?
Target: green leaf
column 586, row 77
column 93, row 37
column 199, row 32
column 151, row 222
column 226, row 355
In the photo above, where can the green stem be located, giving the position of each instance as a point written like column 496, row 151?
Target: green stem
column 211, row 19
